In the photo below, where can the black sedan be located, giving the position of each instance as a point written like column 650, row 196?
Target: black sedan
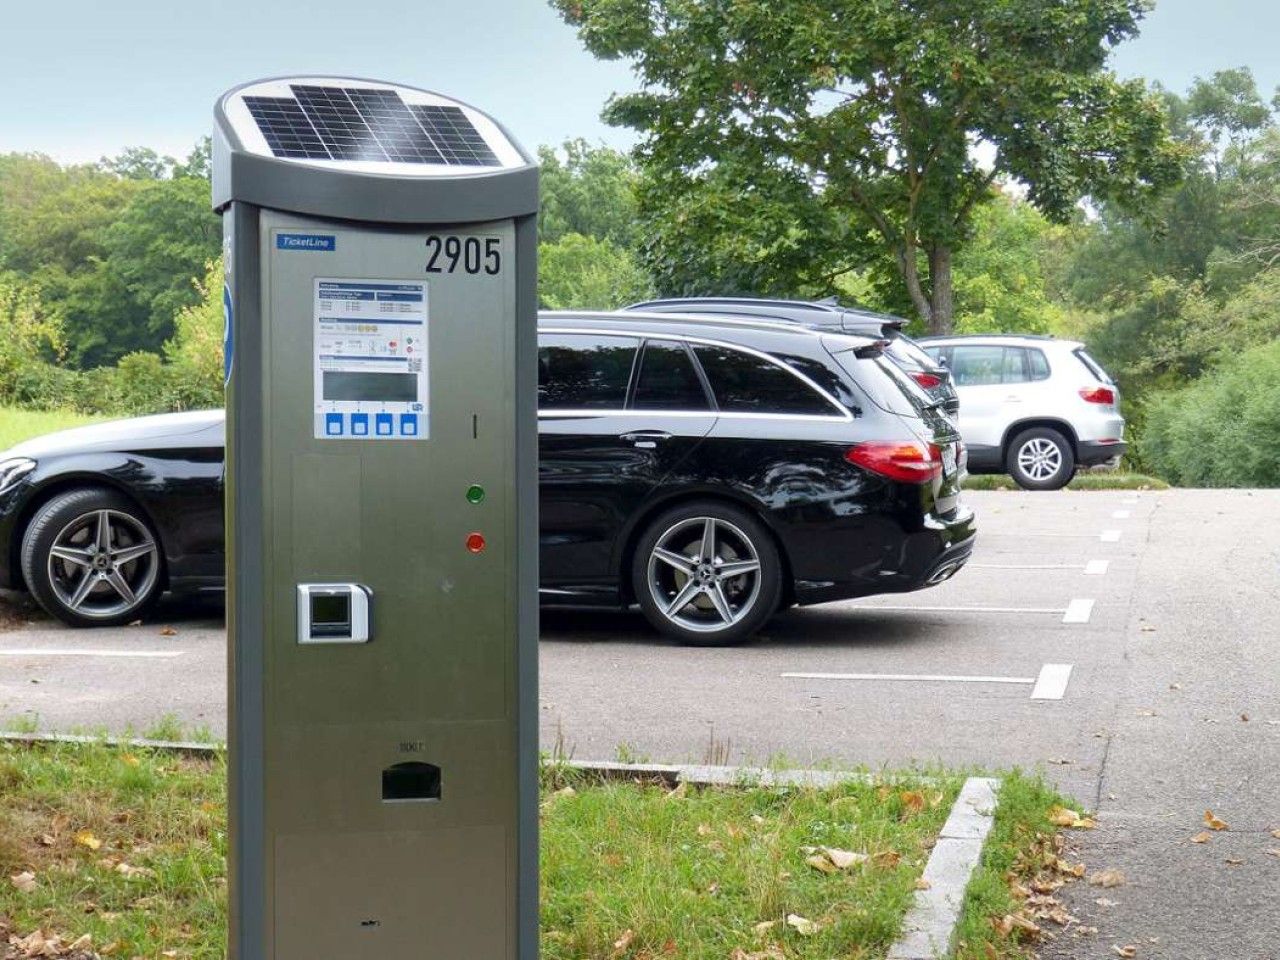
column 710, row 471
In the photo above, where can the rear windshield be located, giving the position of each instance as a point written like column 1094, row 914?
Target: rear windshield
column 1093, row 366
column 909, row 354
column 885, row 384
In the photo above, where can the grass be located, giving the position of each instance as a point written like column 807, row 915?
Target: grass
column 1021, row 856
column 1091, row 480
column 128, row 846
column 18, row 425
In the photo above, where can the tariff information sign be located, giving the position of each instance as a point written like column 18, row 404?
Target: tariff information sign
column 370, row 346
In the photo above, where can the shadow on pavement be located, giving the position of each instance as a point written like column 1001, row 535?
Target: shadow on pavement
column 795, row 628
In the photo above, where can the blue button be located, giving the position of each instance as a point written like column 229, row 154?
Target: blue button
column 333, row 424
column 382, row 424
column 408, row 424
column 360, row 424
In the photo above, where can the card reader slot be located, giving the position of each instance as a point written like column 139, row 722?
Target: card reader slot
column 410, row 781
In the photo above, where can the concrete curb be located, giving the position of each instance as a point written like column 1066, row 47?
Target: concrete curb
column 929, row 931
column 178, row 746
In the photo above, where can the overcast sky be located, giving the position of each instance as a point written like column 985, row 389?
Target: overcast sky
column 83, row 78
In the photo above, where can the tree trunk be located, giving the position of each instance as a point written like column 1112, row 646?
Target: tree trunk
column 941, row 318
column 911, row 277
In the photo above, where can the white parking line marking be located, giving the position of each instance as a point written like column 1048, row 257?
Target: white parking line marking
column 1110, row 536
column 1025, row 566
column 930, row 677
column 1121, row 515
column 54, row 652
column 906, row 609
column 1052, row 682
column 1130, row 502
column 1078, row 611
column 1096, row 568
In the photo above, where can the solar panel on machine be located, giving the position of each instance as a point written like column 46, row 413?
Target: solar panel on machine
column 285, row 128
column 367, row 123
column 457, row 137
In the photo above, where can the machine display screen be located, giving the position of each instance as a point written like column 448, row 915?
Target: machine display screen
column 384, row 387
column 330, row 609
column 371, row 359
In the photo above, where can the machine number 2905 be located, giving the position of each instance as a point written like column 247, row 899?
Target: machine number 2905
column 464, row 254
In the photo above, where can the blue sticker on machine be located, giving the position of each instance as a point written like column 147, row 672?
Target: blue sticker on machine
column 306, row 241
column 228, row 335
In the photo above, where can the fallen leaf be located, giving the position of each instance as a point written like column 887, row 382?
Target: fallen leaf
column 1018, row 891
column 1060, row 761
column 1213, row 823
column 1147, row 713
column 1233, row 861
column 913, row 800
column 1129, row 950
column 1276, row 834
column 1147, row 628
column 622, row 943
column 820, row 862
column 757, row 819
column 768, row 953
column 1204, row 836
column 923, row 884
column 25, row 881
column 168, row 953
column 47, row 840
column 84, row 942
column 130, row 760
column 1244, row 717
column 704, row 830
column 168, row 632
column 887, row 859
column 1029, row 927
column 1063, row 817
column 1071, row 869
column 764, row 926
column 679, row 792
column 801, row 925
column 108, row 949
column 130, row 871
column 1175, row 686
column 1273, row 852
column 1104, row 902
column 1107, row 878
column 844, row 859
column 86, row 839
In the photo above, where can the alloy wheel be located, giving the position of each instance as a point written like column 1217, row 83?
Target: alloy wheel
column 704, row 574
column 103, row 563
column 1039, row 459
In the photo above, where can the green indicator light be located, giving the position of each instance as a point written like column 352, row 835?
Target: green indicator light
column 475, row 493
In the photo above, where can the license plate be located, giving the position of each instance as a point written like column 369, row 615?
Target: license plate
column 948, row 460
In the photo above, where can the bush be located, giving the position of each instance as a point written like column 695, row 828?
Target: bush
column 1222, row 430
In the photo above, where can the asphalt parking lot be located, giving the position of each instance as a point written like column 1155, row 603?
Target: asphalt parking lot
column 1123, row 643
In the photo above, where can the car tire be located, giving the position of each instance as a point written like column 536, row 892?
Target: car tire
column 91, row 559
column 1041, row 459
column 685, row 590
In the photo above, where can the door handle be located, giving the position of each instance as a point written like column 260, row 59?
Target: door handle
column 646, row 438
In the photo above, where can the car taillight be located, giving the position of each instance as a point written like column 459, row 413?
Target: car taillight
column 909, row 461
column 1098, row 394
column 926, row 380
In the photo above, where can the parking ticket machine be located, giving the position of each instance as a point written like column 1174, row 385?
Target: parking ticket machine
column 382, row 537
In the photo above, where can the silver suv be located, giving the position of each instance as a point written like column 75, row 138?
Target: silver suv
column 1033, row 407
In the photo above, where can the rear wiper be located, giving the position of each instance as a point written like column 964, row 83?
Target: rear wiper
column 871, row 350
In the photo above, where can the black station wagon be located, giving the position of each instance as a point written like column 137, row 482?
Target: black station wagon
column 710, row 470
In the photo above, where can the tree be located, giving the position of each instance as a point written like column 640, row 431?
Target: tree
column 827, row 135
column 578, row 272
column 592, row 191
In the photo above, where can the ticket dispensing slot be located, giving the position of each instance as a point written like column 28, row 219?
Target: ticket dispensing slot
column 333, row 613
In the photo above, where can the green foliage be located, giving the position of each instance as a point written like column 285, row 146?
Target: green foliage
column 787, row 143
column 1222, row 430
column 591, row 191
column 111, row 247
column 1000, row 281
column 29, row 336
column 580, row 272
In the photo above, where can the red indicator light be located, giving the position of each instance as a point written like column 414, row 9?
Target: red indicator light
column 475, row 542
column 926, row 380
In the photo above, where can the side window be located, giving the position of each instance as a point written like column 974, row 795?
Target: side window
column 977, row 366
column 745, row 383
column 1039, row 365
column 667, row 379
column 584, row 371
column 1015, row 365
